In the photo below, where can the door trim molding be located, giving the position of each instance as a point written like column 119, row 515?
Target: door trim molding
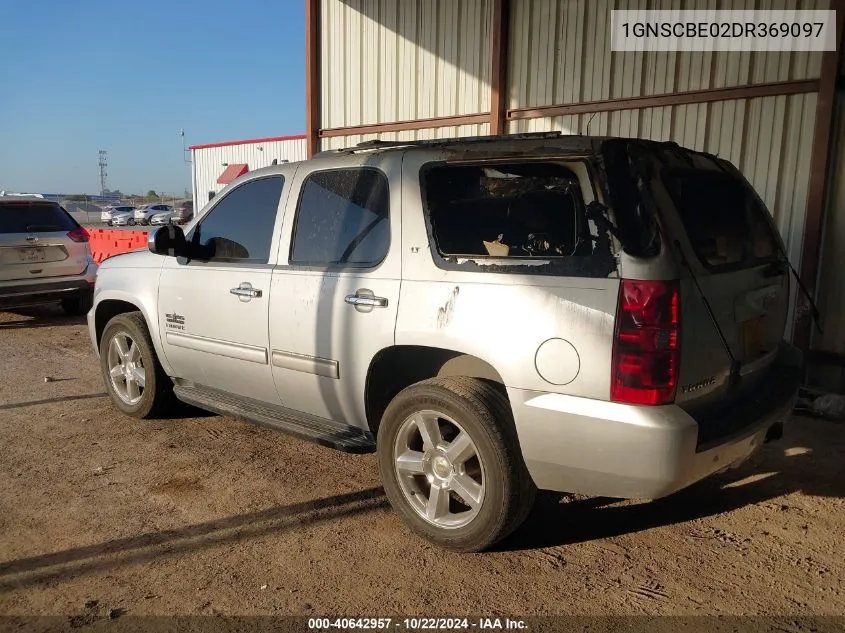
column 229, row 349
column 326, row 367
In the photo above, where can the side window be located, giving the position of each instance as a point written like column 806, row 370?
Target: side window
column 342, row 218
column 240, row 227
column 514, row 210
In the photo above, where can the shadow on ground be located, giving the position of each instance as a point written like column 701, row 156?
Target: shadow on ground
column 809, row 459
column 40, row 316
column 71, row 563
column 35, row 403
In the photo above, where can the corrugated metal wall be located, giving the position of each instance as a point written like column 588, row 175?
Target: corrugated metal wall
column 560, row 54
column 208, row 162
column 399, row 60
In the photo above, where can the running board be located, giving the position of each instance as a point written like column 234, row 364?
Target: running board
column 308, row 427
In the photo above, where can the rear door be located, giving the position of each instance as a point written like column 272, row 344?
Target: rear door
column 336, row 292
column 725, row 240
column 39, row 240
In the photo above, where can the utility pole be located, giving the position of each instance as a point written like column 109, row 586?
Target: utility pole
column 186, row 157
column 103, row 173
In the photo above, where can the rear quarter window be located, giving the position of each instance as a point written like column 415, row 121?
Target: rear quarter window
column 34, row 217
column 513, row 213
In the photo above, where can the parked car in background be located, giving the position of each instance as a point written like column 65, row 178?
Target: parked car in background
column 185, row 212
column 44, row 256
column 144, row 214
column 159, row 219
column 490, row 316
column 123, row 218
column 109, row 212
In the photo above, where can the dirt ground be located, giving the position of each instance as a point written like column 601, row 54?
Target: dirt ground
column 208, row 515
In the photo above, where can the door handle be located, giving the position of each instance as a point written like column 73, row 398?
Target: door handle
column 245, row 291
column 366, row 302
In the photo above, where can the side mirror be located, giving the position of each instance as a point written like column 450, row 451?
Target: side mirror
column 168, row 240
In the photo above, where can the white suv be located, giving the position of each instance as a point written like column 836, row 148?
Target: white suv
column 109, row 213
column 491, row 316
column 144, row 214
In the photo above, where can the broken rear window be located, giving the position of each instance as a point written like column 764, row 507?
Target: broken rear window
column 726, row 224
column 517, row 210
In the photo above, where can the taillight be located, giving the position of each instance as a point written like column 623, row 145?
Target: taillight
column 78, row 235
column 646, row 345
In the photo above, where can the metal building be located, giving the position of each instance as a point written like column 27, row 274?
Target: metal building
column 214, row 165
column 411, row 69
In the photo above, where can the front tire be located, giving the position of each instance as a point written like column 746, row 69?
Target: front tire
column 134, row 378
column 131, row 221
column 451, row 465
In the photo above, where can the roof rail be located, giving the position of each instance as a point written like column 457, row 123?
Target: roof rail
column 439, row 142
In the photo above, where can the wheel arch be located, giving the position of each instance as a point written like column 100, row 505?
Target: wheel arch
column 394, row 368
column 114, row 304
column 106, row 310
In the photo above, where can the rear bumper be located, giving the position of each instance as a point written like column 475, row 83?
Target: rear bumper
column 592, row 447
column 18, row 294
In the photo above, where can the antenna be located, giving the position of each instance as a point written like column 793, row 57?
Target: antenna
column 103, row 171
column 592, row 116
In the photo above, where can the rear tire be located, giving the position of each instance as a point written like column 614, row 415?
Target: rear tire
column 151, row 398
column 78, row 305
column 488, row 491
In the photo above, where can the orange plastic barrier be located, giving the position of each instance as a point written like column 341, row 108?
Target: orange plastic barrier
column 108, row 242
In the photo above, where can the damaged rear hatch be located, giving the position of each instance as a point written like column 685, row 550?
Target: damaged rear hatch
column 729, row 256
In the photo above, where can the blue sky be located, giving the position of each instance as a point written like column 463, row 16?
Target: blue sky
column 78, row 76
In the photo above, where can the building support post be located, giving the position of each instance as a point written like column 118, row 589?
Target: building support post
column 817, row 197
column 499, row 68
column 313, row 107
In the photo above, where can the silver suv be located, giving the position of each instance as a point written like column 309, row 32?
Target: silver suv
column 491, row 316
column 44, row 256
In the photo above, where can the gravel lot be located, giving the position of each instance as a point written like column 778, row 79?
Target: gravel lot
column 204, row 515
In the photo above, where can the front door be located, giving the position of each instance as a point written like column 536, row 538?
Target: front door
column 213, row 309
column 334, row 304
